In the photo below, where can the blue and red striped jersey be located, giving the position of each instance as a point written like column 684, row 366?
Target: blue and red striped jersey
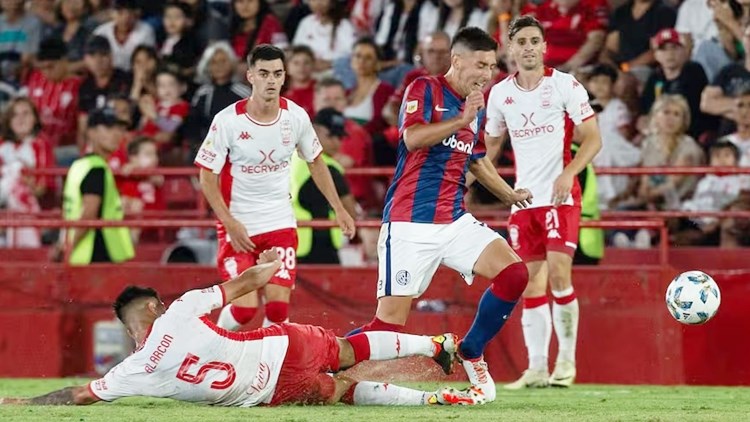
column 429, row 183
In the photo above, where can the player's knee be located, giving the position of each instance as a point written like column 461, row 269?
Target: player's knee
column 277, row 312
column 511, row 282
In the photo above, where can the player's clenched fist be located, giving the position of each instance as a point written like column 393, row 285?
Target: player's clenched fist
column 474, row 103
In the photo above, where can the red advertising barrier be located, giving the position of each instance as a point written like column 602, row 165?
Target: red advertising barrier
column 626, row 335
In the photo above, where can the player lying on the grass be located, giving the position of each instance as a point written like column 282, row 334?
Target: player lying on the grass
column 182, row 355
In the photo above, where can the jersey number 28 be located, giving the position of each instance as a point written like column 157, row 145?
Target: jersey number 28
column 184, row 372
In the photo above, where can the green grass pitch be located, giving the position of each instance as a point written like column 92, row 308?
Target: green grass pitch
column 580, row 403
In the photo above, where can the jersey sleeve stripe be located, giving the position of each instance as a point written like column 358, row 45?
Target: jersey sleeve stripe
column 586, row 118
column 197, row 164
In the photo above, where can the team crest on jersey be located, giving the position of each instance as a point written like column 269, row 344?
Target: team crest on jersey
column 286, row 132
column 546, row 96
column 412, row 106
column 513, row 234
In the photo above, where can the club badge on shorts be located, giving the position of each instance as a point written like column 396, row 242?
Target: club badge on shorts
column 403, row 277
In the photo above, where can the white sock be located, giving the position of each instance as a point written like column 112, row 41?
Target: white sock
column 385, row 345
column 537, row 333
column 268, row 323
column 226, row 319
column 375, row 393
column 565, row 319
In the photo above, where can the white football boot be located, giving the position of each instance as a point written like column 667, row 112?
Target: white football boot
column 564, row 374
column 530, row 379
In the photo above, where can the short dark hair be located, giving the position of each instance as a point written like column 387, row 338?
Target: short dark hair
column 604, row 70
column 130, row 294
column 266, row 52
column 725, row 143
column 328, row 82
column 475, row 39
column 369, row 41
column 134, row 147
column 301, row 49
column 183, row 7
column 522, row 22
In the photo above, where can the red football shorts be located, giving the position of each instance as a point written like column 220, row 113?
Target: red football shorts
column 534, row 232
column 232, row 263
column 312, row 352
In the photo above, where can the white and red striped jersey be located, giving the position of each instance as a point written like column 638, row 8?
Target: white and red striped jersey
column 540, row 125
column 253, row 161
column 57, row 103
column 187, row 357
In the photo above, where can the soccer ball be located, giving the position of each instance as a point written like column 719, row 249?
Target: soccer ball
column 693, row 297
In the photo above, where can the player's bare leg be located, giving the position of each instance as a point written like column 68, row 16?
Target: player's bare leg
column 394, row 310
column 536, row 322
column 277, row 304
column 239, row 312
column 509, row 278
column 564, row 317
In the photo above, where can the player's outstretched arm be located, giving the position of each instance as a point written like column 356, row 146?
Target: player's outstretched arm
column 321, row 176
column 425, row 135
column 78, row 395
column 486, row 174
column 254, row 277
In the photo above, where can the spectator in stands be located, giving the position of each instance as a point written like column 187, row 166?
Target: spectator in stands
column 365, row 14
column 102, row 81
column 695, row 23
column 574, row 30
column 719, row 51
column 23, row 147
column 327, row 32
column 499, row 15
column 20, row 35
column 714, row 192
column 54, row 93
column 450, row 16
column 253, row 23
column 207, row 24
column 180, row 47
column 300, row 84
column 718, row 98
column 90, row 193
column 45, row 11
column 320, row 246
column 631, row 27
column 434, row 59
column 74, row 28
column 676, row 74
column 123, row 108
column 141, row 193
column 356, row 144
column 397, row 33
column 162, row 116
column 126, row 32
column 219, row 88
column 615, row 124
column 145, row 63
column 741, row 138
column 369, row 96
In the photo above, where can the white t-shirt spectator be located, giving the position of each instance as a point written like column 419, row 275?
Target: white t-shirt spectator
column 429, row 18
column 142, row 34
column 744, row 147
column 694, row 17
column 318, row 36
column 714, row 193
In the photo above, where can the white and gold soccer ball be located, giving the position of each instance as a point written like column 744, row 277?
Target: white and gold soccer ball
column 693, row 297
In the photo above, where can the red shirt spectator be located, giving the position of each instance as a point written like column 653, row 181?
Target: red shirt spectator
column 269, row 31
column 57, row 103
column 303, row 97
column 169, row 118
column 144, row 190
column 567, row 30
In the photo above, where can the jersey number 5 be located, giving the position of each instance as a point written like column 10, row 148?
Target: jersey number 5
column 184, row 372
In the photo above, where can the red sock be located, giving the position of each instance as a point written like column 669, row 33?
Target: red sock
column 241, row 314
column 534, row 302
column 565, row 299
column 277, row 312
column 378, row 325
column 361, row 346
column 510, row 283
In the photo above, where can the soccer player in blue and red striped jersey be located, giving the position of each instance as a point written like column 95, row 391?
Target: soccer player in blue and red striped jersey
column 425, row 222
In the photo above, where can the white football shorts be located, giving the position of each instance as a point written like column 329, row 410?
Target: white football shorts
column 410, row 253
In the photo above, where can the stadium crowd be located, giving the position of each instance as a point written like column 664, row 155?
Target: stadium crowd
column 669, row 79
